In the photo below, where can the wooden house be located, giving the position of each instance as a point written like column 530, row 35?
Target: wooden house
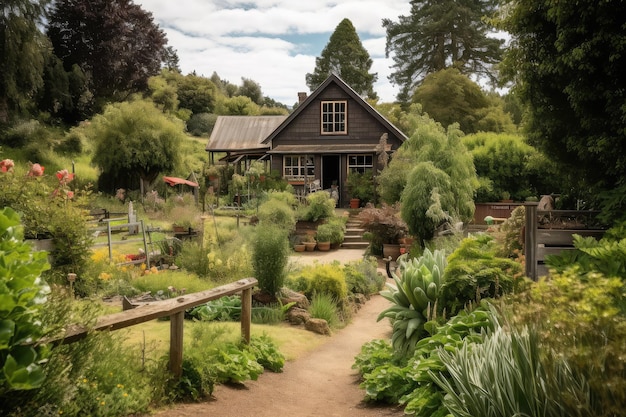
column 332, row 133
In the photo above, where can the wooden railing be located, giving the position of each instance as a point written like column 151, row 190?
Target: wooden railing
column 550, row 233
column 174, row 308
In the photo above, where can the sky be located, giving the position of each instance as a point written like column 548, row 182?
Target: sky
column 272, row 42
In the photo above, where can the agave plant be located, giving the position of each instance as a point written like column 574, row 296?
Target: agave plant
column 414, row 297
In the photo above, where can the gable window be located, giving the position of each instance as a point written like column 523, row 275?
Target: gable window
column 360, row 163
column 297, row 167
column 334, row 117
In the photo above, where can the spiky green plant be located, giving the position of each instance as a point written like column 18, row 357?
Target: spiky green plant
column 414, row 297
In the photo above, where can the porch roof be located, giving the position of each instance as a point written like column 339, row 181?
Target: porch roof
column 326, row 149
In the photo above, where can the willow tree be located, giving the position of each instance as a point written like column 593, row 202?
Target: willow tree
column 134, row 140
column 345, row 56
column 22, row 54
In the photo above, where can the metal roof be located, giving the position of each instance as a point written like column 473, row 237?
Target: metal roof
column 237, row 133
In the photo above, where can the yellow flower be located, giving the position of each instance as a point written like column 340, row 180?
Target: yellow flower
column 143, row 267
column 125, row 394
column 102, row 403
column 120, row 386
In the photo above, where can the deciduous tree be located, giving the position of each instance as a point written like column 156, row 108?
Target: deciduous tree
column 345, row 56
column 115, row 42
column 438, row 35
column 567, row 60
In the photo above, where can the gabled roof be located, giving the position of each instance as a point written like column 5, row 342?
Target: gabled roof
column 242, row 133
column 350, row 92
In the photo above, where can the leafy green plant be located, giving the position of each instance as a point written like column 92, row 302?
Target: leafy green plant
column 323, row 306
column 406, row 380
column 362, row 276
column 414, row 297
column 277, row 212
column 361, row 185
column 266, row 353
column 330, row 232
column 22, row 299
column 475, row 272
column 227, row 308
column 319, row 206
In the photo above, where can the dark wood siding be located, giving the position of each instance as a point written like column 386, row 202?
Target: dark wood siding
column 363, row 128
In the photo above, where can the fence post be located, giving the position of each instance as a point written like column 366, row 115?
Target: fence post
column 176, row 343
column 530, row 240
column 246, row 313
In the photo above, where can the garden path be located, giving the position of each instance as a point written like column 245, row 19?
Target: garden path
column 321, row 383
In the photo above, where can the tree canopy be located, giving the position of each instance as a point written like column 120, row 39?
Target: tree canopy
column 345, row 56
column 449, row 96
column 135, row 139
column 22, row 49
column 567, row 60
column 115, row 42
column 438, row 35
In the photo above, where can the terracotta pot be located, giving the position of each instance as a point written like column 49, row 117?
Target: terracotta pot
column 299, row 248
column 310, row 246
column 355, row 203
column 323, row 246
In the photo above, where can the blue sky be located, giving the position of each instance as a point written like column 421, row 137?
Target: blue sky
column 273, row 42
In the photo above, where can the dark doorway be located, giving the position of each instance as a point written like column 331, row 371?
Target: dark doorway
column 330, row 172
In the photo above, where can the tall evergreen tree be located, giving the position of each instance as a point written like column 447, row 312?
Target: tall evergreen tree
column 22, row 54
column 345, row 56
column 438, row 35
column 568, row 60
column 115, row 42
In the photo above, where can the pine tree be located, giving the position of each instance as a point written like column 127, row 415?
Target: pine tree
column 345, row 56
column 438, row 35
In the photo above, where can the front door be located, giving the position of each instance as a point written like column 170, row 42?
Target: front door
column 331, row 174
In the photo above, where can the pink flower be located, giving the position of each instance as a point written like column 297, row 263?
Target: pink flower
column 70, row 194
column 64, row 176
column 6, row 165
column 36, row 170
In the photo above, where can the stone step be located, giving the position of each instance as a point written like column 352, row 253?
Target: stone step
column 354, row 245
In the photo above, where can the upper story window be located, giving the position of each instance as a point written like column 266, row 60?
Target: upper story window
column 334, row 117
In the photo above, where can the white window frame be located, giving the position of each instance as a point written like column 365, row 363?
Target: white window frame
column 334, row 117
column 360, row 163
column 294, row 168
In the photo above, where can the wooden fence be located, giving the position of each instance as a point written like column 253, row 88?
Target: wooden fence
column 174, row 308
column 550, row 233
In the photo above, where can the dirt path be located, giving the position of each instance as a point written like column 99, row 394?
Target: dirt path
column 320, row 383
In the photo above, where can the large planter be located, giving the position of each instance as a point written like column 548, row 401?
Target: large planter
column 300, row 247
column 323, row 246
column 390, row 249
column 310, row 246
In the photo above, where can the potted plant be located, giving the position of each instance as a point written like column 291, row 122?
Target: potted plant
column 385, row 227
column 361, row 187
column 310, row 243
column 324, row 236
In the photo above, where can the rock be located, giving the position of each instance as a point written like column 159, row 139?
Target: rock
column 289, row 296
column 298, row 315
column 319, row 326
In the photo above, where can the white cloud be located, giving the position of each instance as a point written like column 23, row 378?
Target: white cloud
column 273, row 42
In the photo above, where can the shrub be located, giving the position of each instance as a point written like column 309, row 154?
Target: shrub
column 321, row 279
column 320, row 206
column 201, row 124
column 362, row 276
column 330, row 232
column 384, row 225
column 269, row 258
column 278, row 213
column 475, row 272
